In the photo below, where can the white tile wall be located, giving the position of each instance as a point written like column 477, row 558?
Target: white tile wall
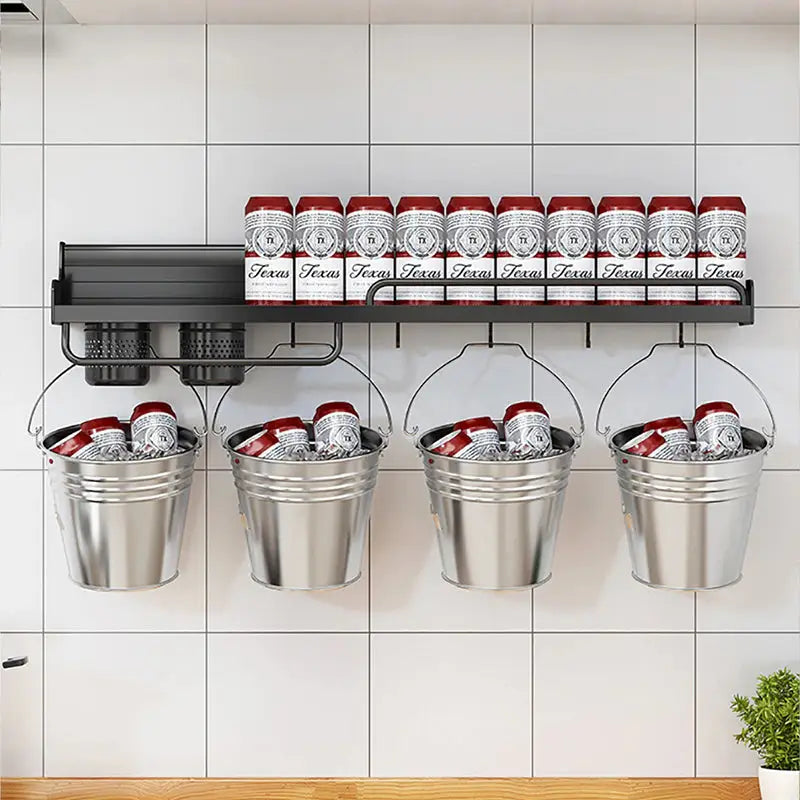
column 159, row 134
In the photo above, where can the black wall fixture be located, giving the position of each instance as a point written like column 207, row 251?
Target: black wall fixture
column 212, row 340
column 120, row 340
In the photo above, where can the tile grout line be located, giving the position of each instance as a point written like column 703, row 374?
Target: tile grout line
column 363, row 632
column 532, row 375
column 205, row 392
column 694, row 603
column 43, row 482
column 369, row 412
column 401, row 144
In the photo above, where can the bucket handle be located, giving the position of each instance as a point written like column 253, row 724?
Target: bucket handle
column 577, row 435
column 768, row 434
column 36, row 432
column 386, row 433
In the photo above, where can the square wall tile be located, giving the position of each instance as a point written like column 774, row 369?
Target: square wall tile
column 747, row 89
column 178, row 606
column 21, row 551
column 237, row 603
column 408, row 591
column 443, row 703
column 743, row 12
column 128, row 195
column 21, row 731
column 592, row 588
column 237, row 173
column 288, row 705
column 287, row 83
column 127, row 705
column 447, row 170
column 768, row 180
column 729, row 664
column 597, row 170
column 661, row 386
column 590, row 83
column 124, row 83
column 451, row 83
column 620, row 12
column 21, row 65
column 768, row 353
column 21, row 225
column 481, row 382
column 21, row 334
column 768, row 596
column 602, row 701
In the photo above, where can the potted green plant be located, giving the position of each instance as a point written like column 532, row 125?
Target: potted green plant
column 771, row 722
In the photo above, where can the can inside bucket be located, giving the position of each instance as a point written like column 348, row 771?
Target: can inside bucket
column 187, row 440
column 562, row 440
column 753, row 440
column 371, row 441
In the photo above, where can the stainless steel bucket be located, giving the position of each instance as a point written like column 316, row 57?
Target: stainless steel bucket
column 688, row 522
column 497, row 521
column 122, row 522
column 305, row 521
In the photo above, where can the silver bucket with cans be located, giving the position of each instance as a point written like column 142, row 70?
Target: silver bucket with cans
column 497, row 521
column 688, row 522
column 306, row 521
column 121, row 522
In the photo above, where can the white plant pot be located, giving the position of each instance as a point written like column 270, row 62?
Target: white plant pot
column 779, row 784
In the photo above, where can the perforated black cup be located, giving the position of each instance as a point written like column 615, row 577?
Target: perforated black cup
column 212, row 340
column 117, row 340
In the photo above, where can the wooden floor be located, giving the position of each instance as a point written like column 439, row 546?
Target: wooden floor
column 378, row 789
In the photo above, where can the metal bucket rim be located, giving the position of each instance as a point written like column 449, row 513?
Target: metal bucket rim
column 384, row 442
column 748, row 454
column 571, row 449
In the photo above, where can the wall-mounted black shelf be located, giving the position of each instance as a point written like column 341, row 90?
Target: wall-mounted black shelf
column 204, row 283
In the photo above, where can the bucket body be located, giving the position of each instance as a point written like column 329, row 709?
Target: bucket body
column 122, row 522
column 497, row 521
column 688, row 522
column 305, row 521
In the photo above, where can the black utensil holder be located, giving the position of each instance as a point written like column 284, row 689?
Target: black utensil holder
column 212, row 340
column 117, row 340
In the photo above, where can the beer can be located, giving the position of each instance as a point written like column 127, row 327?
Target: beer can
column 717, row 429
column 674, row 430
column 458, row 444
column 337, row 429
column 527, row 429
column 420, row 249
column 292, row 433
column 154, row 429
column 571, row 246
column 671, row 249
column 721, row 247
column 109, row 435
column 78, row 445
column 319, row 251
column 263, row 444
column 369, row 227
column 621, row 237
column 521, row 237
column 268, row 252
column 482, row 431
column 650, row 444
column 470, row 249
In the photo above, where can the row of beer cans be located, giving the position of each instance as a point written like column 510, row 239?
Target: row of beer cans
column 321, row 253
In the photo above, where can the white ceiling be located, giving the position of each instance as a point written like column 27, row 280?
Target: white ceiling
column 95, row 12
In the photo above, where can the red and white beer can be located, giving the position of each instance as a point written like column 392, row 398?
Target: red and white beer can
column 671, row 249
column 481, row 430
column 154, row 429
column 721, row 247
column 319, row 251
column 674, row 430
column 718, row 429
column 263, row 444
column 621, row 238
column 337, row 429
column 420, row 249
column 291, row 432
column 458, row 444
column 268, row 252
column 109, row 435
column 369, row 227
column 521, row 238
column 527, row 429
column 571, row 247
column 78, row 445
column 650, row 444
column 470, row 249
